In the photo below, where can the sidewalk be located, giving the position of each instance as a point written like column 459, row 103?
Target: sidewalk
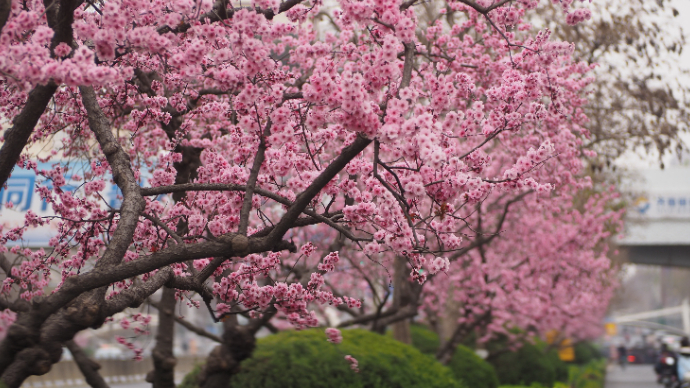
column 633, row 376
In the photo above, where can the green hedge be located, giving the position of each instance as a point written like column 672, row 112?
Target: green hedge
column 586, row 352
column 530, row 364
column 424, row 339
column 560, row 368
column 306, row 359
column 472, row 370
column 591, row 375
column 465, row 364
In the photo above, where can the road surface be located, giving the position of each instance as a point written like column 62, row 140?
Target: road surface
column 633, row 376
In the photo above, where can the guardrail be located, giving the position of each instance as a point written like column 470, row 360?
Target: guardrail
column 67, row 374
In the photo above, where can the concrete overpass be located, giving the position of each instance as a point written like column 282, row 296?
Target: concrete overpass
column 658, row 223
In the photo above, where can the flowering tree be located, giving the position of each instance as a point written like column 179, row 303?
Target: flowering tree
column 269, row 147
column 548, row 272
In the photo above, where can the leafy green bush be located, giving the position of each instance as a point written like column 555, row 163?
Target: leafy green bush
column 305, row 359
column 560, row 368
column 591, row 375
column 526, row 366
column 472, row 370
column 586, row 352
column 424, row 339
column 534, row 385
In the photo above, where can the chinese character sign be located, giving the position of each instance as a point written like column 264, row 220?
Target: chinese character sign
column 20, row 195
column 658, row 205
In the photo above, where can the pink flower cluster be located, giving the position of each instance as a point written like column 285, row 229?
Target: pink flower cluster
column 354, row 365
column 334, row 335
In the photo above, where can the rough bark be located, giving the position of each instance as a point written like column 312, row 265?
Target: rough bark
column 224, row 360
column 401, row 297
column 87, row 366
column 164, row 361
column 5, row 9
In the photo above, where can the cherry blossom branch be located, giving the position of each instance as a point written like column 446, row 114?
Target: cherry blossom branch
column 497, row 231
column 488, row 139
column 17, row 137
column 256, row 324
column 485, row 10
column 133, row 203
column 156, row 221
column 251, row 181
column 13, row 373
column 329, row 219
column 219, row 13
column 304, row 198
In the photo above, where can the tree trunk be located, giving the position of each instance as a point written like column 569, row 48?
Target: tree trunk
column 447, row 349
column 224, row 361
column 163, row 374
column 5, row 9
column 88, row 367
column 401, row 297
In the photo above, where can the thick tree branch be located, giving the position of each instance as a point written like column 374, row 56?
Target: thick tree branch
column 5, row 9
column 18, row 135
column 304, row 199
column 87, row 366
column 407, row 66
column 251, row 181
column 485, row 10
column 136, row 295
column 133, row 203
column 219, row 13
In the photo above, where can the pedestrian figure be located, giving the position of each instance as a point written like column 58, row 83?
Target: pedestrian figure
column 622, row 356
column 684, row 360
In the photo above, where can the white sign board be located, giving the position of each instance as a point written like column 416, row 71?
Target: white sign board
column 661, row 205
column 20, row 195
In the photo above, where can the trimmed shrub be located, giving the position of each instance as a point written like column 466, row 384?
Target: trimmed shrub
column 305, row 359
column 534, row 385
column 591, row 375
column 424, row 339
column 467, row 366
column 586, row 352
column 560, row 368
column 527, row 365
